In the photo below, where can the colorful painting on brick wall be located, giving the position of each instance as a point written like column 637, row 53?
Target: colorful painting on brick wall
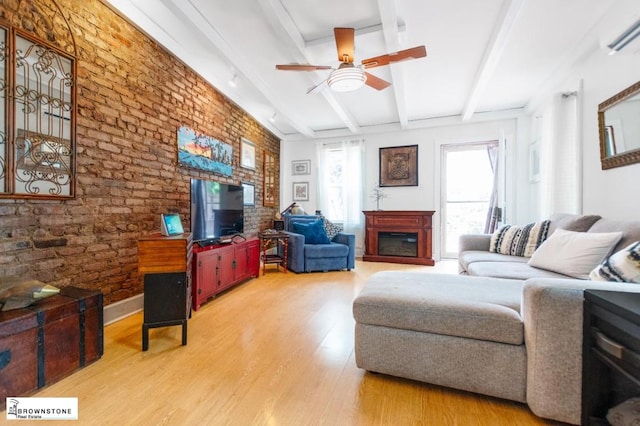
column 203, row 152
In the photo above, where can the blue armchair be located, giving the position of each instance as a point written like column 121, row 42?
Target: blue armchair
column 338, row 254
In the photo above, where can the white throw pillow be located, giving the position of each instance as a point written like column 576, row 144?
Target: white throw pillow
column 574, row 253
column 622, row 266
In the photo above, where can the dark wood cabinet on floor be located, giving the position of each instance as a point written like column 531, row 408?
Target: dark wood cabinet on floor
column 611, row 355
column 219, row 267
column 166, row 263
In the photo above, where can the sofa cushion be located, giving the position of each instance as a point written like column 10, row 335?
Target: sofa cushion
column 622, row 266
column 466, row 258
column 572, row 222
column 574, row 253
column 510, row 270
column 630, row 230
column 454, row 305
column 519, row 240
column 313, row 232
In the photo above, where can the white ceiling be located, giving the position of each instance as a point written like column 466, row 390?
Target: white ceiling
column 485, row 58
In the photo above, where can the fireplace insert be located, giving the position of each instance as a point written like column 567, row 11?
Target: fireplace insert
column 403, row 244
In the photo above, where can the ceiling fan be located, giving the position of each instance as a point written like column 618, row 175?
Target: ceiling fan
column 347, row 76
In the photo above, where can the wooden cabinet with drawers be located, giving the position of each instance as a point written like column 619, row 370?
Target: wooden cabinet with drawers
column 217, row 268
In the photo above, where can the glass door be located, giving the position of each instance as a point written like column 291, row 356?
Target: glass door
column 467, row 187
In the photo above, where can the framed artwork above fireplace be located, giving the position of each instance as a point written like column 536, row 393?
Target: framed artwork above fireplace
column 399, row 166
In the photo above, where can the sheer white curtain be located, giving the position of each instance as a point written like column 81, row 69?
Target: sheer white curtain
column 560, row 167
column 494, row 213
column 340, row 184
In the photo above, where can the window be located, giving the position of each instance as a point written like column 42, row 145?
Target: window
column 340, row 183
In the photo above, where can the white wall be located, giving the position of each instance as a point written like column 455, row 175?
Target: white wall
column 426, row 195
column 610, row 193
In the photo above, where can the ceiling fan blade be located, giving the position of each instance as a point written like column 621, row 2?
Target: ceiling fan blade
column 403, row 55
column 318, row 88
column 376, row 82
column 302, row 67
column 345, row 43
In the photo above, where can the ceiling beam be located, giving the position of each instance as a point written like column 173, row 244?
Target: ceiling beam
column 238, row 61
column 389, row 18
column 492, row 55
column 423, row 123
column 282, row 22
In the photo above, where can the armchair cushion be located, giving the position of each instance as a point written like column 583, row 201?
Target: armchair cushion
column 313, row 232
column 326, row 250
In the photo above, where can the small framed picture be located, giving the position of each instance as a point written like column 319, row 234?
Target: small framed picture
column 301, row 167
column 300, row 191
column 249, row 193
column 247, row 154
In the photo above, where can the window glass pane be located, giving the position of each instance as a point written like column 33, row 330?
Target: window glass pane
column 340, row 187
column 335, row 209
column 467, row 192
column 469, row 175
column 464, row 218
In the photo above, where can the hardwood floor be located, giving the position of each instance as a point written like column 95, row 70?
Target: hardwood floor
column 277, row 350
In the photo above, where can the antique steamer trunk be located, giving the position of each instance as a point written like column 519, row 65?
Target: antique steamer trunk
column 49, row 340
column 18, row 353
column 69, row 332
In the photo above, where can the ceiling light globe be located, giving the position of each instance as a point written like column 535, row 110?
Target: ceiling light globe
column 347, row 79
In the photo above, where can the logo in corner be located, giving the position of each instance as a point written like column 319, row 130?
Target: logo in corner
column 12, row 407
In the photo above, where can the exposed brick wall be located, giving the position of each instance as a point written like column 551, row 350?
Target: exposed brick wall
column 132, row 96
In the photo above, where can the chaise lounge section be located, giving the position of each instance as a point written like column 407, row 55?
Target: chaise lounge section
column 518, row 339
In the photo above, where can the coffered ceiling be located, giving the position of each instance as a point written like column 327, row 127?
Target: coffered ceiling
column 485, row 58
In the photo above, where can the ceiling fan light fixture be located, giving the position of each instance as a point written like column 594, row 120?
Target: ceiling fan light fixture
column 347, row 79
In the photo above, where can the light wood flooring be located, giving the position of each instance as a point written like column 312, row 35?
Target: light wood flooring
column 277, row 350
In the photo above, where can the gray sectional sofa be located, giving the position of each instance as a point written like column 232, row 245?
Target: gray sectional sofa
column 502, row 328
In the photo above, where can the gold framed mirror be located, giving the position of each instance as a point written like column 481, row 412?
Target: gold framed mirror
column 619, row 128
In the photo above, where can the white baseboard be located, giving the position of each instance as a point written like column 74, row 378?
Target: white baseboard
column 122, row 309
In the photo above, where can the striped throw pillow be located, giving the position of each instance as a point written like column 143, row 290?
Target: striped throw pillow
column 519, row 240
column 622, row 266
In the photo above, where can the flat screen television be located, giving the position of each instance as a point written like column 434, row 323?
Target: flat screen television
column 217, row 210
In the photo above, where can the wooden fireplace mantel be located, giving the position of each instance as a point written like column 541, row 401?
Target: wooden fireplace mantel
column 410, row 221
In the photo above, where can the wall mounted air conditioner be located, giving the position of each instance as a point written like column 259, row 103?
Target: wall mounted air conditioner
column 627, row 39
column 619, row 28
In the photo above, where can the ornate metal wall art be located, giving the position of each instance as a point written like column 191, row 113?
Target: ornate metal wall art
column 38, row 108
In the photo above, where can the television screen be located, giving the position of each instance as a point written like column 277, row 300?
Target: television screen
column 216, row 209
